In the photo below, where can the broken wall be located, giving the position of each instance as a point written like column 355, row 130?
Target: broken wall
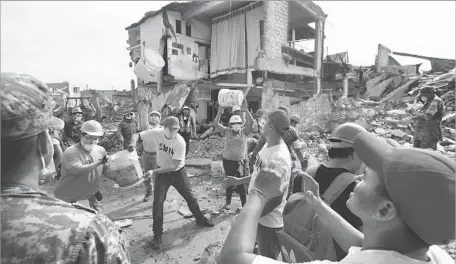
column 151, row 32
column 276, row 35
column 319, row 110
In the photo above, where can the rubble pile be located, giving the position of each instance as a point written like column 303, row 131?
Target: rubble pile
column 209, row 148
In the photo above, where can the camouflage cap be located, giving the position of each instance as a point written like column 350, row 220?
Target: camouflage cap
column 26, row 106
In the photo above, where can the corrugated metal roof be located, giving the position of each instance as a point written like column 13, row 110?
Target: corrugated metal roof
column 174, row 6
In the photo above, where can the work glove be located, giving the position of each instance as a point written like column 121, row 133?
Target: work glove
column 131, row 148
column 104, row 160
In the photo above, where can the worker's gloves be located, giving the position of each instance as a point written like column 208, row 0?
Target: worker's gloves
column 131, row 148
column 104, row 160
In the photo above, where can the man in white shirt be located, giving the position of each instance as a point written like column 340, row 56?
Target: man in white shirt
column 405, row 199
column 149, row 156
column 275, row 150
column 170, row 172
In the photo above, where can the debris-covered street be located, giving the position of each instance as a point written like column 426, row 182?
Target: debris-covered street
column 203, row 132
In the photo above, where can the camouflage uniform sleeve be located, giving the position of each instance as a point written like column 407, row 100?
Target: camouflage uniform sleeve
column 104, row 241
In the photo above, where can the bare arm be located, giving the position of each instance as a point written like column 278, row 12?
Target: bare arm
column 217, row 124
column 249, row 126
column 238, row 247
column 345, row 234
column 173, row 167
column 134, row 139
column 259, row 146
column 58, row 153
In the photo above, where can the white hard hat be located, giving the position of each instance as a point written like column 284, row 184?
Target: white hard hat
column 56, row 123
column 92, row 128
column 235, row 119
column 236, row 108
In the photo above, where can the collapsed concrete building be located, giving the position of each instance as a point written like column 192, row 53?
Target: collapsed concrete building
column 247, row 45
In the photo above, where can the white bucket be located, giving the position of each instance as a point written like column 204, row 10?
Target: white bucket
column 125, row 169
column 149, row 65
column 228, row 98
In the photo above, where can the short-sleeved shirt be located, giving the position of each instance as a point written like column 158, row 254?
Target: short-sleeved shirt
column 149, row 143
column 38, row 228
column 73, row 187
column 280, row 154
column 235, row 145
column 291, row 139
column 357, row 256
column 168, row 149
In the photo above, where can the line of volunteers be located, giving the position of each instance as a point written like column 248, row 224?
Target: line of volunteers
column 377, row 203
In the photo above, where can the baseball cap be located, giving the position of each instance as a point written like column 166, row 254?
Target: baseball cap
column 280, row 120
column 171, row 121
column 421, row 183
column 295, row 118
column 155, row 113
column 26, row 106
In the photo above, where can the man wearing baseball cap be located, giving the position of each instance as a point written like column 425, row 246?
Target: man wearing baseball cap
column 170, row 172
column 275, row 150
column 126, row 128
column 405, row 199
column 36, row 227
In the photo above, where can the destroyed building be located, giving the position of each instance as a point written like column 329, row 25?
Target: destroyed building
column 230, row 44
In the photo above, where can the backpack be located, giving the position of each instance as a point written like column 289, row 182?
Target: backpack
column 304, row 237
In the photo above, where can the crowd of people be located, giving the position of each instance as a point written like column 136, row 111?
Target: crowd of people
column 376, row 203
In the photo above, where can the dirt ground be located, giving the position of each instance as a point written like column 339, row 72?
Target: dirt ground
column 183, row 241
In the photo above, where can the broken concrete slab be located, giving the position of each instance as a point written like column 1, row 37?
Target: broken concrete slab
column 397, row 94
column 377, row 90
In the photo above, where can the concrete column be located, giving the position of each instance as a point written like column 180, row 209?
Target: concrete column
column 345, row 83
column 317, row 55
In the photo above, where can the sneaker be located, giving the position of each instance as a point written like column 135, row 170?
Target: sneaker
column 205, row 222
column 157, row 243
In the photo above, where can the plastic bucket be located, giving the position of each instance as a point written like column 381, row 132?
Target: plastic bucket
column 125, row 169
column 228, row 98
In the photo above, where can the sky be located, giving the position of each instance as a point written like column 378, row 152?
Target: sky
column 84, row 42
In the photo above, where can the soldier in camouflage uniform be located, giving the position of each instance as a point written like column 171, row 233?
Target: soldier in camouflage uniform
column 428, row 128
column 126, row 128
column 36, row 227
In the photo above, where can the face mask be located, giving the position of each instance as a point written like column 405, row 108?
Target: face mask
column 88, row 147
column 128, row 117
column 424, row 98
column 78, row 118
column 236, row 127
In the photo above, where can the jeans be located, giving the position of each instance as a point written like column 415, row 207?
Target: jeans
column 180, row 181
column 425, row 144
column 149, row 162
column 233, row 168
column 186, row 136
column 268, row 242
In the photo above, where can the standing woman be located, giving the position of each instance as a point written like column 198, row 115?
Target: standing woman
column 234, row 154
column 187, row 127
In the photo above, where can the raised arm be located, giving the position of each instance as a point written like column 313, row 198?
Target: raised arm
column 217, row 124
column 248, row 128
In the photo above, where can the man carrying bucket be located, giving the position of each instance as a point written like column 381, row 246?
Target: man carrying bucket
column 170, row 172
column 82, row 168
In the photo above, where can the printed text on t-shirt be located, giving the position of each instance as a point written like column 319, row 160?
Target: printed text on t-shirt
column 166, row 149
